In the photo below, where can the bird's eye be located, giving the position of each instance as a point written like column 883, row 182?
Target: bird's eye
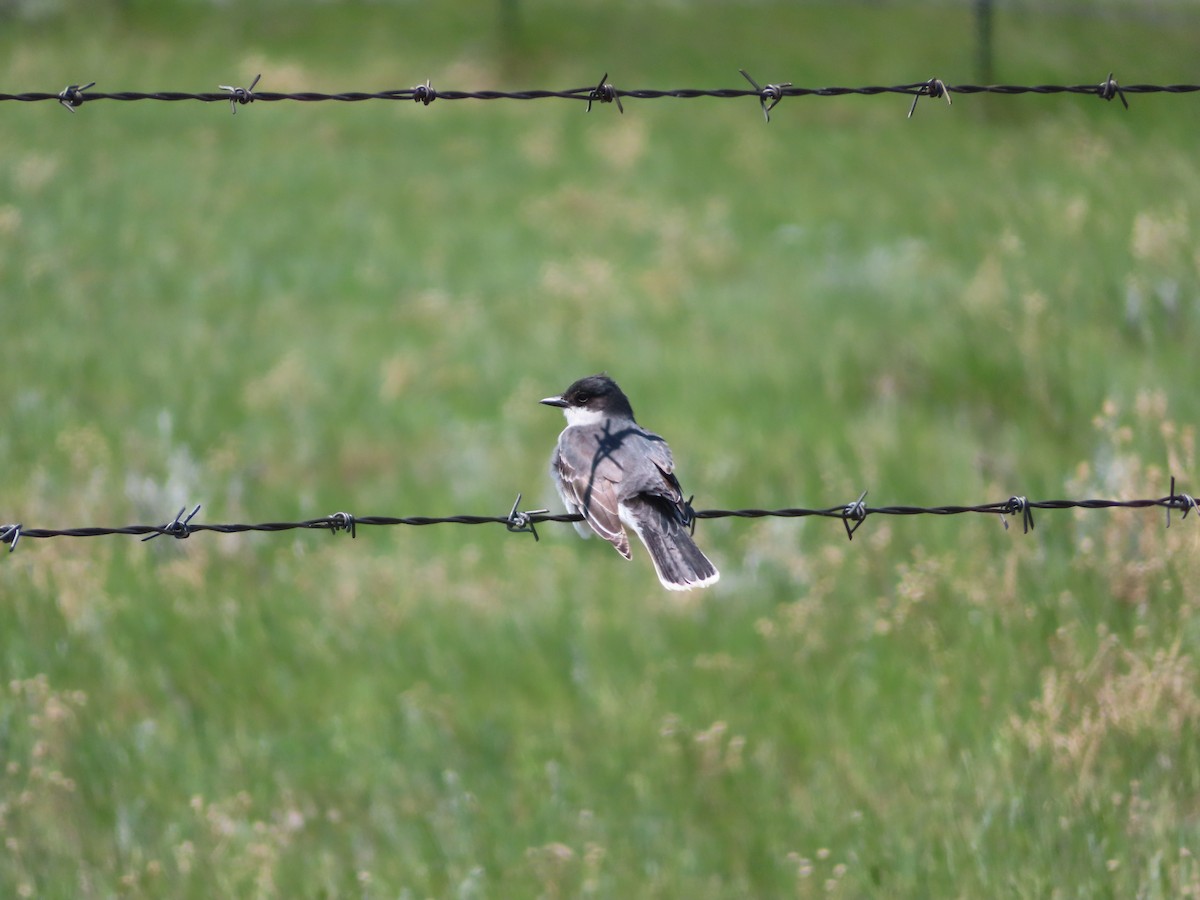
column 582, row 398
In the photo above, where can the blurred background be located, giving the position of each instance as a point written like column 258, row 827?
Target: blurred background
column 305, row 308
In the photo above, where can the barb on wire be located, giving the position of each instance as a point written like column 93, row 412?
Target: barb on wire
column 689, row 515
column 340, row 521
column 768, row 95
column 605, row 93
column 178, row 528
column 424, row 93
column 1186, row 502
column 1019, row 505
column 771, row 92
column 933, row 88
column 851, row 515
column 523, row 522
column 72, row 95
column 855, row 512
column 1109, row 89
column 239, row 95
column 10, row 534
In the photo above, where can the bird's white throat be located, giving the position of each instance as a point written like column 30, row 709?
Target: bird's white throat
column 581, row 415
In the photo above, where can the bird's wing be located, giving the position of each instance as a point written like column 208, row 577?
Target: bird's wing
column 658, row 480
column 588, row 484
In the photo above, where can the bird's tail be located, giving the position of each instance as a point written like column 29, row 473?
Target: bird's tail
column 680, row 564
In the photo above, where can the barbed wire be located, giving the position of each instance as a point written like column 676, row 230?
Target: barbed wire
column 852, row 516
column 769, row 95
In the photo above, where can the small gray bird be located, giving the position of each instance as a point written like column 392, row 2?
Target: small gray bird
column 617, row 474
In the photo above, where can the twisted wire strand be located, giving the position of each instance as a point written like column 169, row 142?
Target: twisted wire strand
column 524, row 522
column 75, row 95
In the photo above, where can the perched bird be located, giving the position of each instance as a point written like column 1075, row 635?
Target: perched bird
column 619, row 475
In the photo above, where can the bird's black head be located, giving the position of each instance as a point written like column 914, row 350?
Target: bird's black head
column 596, row 394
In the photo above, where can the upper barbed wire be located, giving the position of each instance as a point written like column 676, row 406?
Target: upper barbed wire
column 769, row 95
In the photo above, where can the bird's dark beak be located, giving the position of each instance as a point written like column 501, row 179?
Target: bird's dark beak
column 555, row 401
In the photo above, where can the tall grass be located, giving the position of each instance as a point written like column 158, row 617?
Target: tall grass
column 309, row 308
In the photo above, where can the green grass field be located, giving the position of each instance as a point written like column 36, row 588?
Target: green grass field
column 307, row 308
